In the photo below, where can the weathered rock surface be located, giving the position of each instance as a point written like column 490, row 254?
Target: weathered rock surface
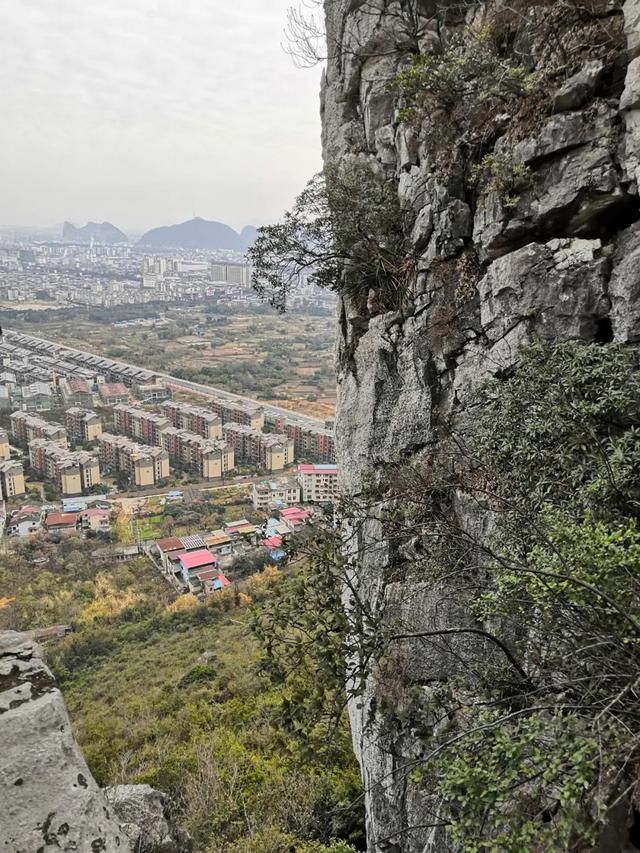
column 563, row 263
column 50, row 800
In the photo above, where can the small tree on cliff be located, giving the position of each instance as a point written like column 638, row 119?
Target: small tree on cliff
column 344, row 233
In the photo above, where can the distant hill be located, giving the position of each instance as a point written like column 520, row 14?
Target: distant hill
column 248, row 235
column 101, row 232
column 200, row 234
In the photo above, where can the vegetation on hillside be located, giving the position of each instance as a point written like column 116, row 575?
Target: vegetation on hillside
column 533, row 740
column 170, row 692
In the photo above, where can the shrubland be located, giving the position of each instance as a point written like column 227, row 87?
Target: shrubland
column 171, row 692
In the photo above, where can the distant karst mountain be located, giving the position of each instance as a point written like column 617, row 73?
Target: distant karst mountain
column 200, row 234
column 101, row 232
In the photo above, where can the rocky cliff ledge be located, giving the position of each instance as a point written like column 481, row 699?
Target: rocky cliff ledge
column 50, row 801
column 561, row 261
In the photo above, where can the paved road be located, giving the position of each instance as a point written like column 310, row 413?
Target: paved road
column 191, row 490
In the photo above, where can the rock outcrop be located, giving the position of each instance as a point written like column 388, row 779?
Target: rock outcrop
column 562, row 262
column 50, row 800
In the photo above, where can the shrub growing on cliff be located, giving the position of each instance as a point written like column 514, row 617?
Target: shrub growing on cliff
column 468, row 72
column 541, row 738
column 343, row 233
column 501, row 174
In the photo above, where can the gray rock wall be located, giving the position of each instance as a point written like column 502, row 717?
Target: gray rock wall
column 50, row 801
column 563, row 264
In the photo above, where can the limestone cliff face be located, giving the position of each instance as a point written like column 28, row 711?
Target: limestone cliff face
column 50, row 800
column 563, row 264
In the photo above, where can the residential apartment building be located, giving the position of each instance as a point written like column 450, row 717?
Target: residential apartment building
column 144, row 465
column 238, row 412
column 208, row 458
column 139, row 424
column 26, row 428
column 310, row 441
column 82, row 425
column 266, row 450
column 72, row 472
column 75, row 392
column 269, row 493
column 319, row 483
column 194, row 419
column 5, row 450
column 11, row 479
column 112, row 393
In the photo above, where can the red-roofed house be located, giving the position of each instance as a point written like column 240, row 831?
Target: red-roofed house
column 210, row 580
column 193, row 562
column 63, row 523
column 294, row 517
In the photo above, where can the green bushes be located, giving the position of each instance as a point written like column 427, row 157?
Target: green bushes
column 468, row 72
column 543, row 734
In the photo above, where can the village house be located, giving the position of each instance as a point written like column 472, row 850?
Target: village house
column 275, row 493
column 61, row 523
column 195, row 562
column 96, row 520
column 209, row 581
column 26, row 521
column 294, row 517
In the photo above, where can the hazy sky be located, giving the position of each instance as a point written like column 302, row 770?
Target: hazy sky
column 146, row 112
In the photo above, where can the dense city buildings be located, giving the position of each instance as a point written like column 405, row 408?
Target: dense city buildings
column 310, row 441
column 25, row 428
column 313, row 440
column 194, row 419
column 269, row 451
column 143, row 465
column 82, row 425
column 319, row 483
column 72, row 472
column 238, row 412
column 193, row 451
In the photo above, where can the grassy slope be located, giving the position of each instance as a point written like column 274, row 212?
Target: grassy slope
column 165, row 693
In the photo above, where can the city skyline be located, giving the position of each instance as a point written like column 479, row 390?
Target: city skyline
column 146, row 114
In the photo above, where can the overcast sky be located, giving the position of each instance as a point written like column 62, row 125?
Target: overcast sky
column 146, row 112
